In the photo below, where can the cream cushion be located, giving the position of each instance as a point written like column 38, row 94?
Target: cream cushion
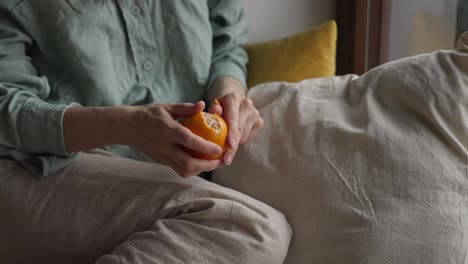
column 370, row 169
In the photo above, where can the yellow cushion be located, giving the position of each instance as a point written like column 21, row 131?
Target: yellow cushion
column 310, row 54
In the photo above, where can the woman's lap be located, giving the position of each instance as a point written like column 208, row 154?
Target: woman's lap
column 100, row 202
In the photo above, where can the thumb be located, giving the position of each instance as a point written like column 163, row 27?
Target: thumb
column 185, row 109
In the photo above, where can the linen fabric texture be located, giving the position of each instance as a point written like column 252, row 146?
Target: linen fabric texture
column 104, row 209
column 370, row 169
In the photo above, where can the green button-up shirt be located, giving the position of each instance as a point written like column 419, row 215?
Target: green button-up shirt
column 58, row 53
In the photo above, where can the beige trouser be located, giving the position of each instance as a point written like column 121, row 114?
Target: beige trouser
column 104, row 209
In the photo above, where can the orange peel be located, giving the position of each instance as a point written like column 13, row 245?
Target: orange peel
column 211, row 127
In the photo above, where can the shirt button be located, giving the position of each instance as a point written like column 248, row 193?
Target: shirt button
column 148, row 65
column 135, row 10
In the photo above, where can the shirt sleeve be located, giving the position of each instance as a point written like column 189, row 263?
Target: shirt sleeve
column 229, row 25
column 30, row 128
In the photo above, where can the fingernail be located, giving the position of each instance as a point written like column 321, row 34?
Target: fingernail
column 233, row 143
column 216, row 150
column 228, row 159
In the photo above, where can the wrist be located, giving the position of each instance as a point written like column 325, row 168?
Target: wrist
column 225, row 85
column 94, row 127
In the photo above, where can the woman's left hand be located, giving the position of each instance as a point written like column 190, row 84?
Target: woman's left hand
column 243, row 120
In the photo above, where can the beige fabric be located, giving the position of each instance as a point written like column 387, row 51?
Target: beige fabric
column 121, row 211
column 370, row 169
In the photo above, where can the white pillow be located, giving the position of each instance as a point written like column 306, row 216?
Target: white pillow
column 367, row 170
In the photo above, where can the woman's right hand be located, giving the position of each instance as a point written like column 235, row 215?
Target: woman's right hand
column 155, row 132
column 151, row 129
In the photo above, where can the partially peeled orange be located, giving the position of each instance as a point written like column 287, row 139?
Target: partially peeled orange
column 211, row 127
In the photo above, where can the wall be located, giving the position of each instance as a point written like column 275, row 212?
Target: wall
column 270, row 19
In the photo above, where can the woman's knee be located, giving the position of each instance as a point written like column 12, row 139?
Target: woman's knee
column 247, row 228
column 266, row 231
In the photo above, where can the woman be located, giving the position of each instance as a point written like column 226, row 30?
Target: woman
column 80, row 75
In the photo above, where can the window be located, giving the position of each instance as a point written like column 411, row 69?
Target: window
column 372, row 32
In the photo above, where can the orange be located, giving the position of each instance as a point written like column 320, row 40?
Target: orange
column 211, row 127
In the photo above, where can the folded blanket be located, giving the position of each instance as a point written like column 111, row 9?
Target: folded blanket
column 370, row 169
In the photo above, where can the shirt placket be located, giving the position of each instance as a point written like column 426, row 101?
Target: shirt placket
column 141, row 39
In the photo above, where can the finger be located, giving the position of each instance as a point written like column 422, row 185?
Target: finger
column 185, row 109
column 184, row 137
column 245, row 113
column 243, row 118
column 232, row 150
column 190, row 165
column 247, row 130
column 216, row 109
column 255, row 130
column 252, row 125
column 231, row 115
